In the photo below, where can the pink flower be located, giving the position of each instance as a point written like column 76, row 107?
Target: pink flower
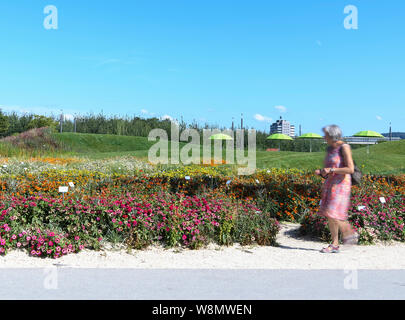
column 184, row 237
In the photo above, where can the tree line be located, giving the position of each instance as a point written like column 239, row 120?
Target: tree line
column 14, row 123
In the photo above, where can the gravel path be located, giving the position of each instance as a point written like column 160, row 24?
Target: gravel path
column 294, row 252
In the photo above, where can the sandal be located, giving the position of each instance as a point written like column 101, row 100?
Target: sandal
column 330, row 249
column 353, row 239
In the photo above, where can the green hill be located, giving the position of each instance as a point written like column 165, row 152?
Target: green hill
column 384, row 158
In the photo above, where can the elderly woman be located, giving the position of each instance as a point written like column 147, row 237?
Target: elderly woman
column 336, row 189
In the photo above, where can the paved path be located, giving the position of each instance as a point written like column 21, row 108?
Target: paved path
column 294, row 270
column 293, row 252
column 123, row 284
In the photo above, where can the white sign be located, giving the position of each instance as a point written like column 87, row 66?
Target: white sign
column 71, row 184
column 228, row 182
column 360, row 208
column 187, row 177
column 63, row 189
column 382, row 199
column 257, row 181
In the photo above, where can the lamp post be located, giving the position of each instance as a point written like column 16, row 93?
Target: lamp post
column 61, row 120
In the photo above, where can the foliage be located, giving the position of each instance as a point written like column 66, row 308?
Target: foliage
column 40, row 121
column 4, row 124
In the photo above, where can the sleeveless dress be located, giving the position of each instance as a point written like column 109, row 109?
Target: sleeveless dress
column 336, row 189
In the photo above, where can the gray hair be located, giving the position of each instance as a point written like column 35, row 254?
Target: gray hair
column 334, row 132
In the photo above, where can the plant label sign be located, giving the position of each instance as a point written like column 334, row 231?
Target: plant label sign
column 360, row 208
column 382, row 200
column 228, row 182
column 71, row 184
column 187, row 177
column 63, row 189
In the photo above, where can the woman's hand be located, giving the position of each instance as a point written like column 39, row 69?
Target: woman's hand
column 325, row 171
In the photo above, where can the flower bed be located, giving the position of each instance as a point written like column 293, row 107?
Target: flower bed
column 188, row 206
column 47, row 226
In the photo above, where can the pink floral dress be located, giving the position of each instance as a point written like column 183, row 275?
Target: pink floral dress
column 336, row 189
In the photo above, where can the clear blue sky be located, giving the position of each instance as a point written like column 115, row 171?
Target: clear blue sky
column 209, row 60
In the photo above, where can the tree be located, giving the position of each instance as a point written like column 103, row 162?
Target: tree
column 40, row 121
column 4, row 124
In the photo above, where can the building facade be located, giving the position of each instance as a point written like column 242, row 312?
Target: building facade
column 282, row 126
column 365, row 140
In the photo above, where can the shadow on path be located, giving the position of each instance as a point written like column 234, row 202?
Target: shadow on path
column 294, row 233
column 296, row 248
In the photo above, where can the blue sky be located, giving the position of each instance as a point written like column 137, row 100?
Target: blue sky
column 209, row 61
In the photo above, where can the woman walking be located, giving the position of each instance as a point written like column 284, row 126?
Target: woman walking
column 336, row 189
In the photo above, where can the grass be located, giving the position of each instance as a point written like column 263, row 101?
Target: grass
column 102, row 143
column 384, row 158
